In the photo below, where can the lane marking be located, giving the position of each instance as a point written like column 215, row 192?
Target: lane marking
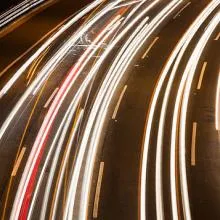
column 217, row 37
column 51, row 97
column 18, row 162
column 149, row 48
column 193, row 145
column 181, row 10
column 19, row 147
column 119, row 102
column 217, row 105
column 201, row 75
column 98, row 189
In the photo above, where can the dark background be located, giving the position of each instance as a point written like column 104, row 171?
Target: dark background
column 5, row 4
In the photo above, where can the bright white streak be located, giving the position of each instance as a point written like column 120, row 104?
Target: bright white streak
column 47, row 123
column 184, row 42
column 47, row 69
column 95, row 137
column 185, row 85
column 45, row 45
column 13, row 9
column 19, row 12
column 99, row 41
column 73, row 184
column 128, row 4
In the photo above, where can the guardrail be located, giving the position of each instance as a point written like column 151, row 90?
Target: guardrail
column 17, row 11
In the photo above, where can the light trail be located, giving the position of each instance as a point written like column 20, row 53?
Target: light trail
column 7, row 17
column 73, row 184
column 121, row 67
column 64, row 161
column 184, row 89
column 128, row 4
column 187, row 37
column 45, row 45
column 48, row 68
column 46, row 126
column 99, row 112
column 74, row 69
column 181, row 10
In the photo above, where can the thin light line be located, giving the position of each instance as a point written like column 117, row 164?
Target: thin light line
column 18, row 162
column 119, row 101
column 98, row 189
column 181, row 10
column 201, row 75
column 51, row 97
column 149, row 48
column 193, row 145
column 217, row 37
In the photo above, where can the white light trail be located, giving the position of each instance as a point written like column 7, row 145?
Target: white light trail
column 43, row 75
column 184, row 89
column 7, row 17
column 22, row 69
column 184, row 41
column 72, row 191
column 63, row 91
column 102, row 106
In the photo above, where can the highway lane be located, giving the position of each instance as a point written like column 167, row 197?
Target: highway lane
column 40, row 112
column 156, row 18
column 59, row 158
column 204, row 181
column 120, row 178
column 6, row 95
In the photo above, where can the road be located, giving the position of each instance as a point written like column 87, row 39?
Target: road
column 114, row 114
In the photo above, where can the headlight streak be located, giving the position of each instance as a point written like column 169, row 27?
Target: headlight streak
column 92, row 150
column 59, row 136
column 35, row 83
column 130, row 14
column 21, row 70
column 128, row 4
column 184, row 42
column 48, row 68
column 49, row 155
column 185, row 87
column 73, row 184
column 53, row 169
column 72, row 41
column 46, row 126
column 76, row 100
column 62, row 170
column 16, row 13
column 55, row 162
column 13, row 9
column 81, row 91
column 77, row 196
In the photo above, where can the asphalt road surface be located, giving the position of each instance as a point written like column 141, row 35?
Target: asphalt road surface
column 111, row 110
